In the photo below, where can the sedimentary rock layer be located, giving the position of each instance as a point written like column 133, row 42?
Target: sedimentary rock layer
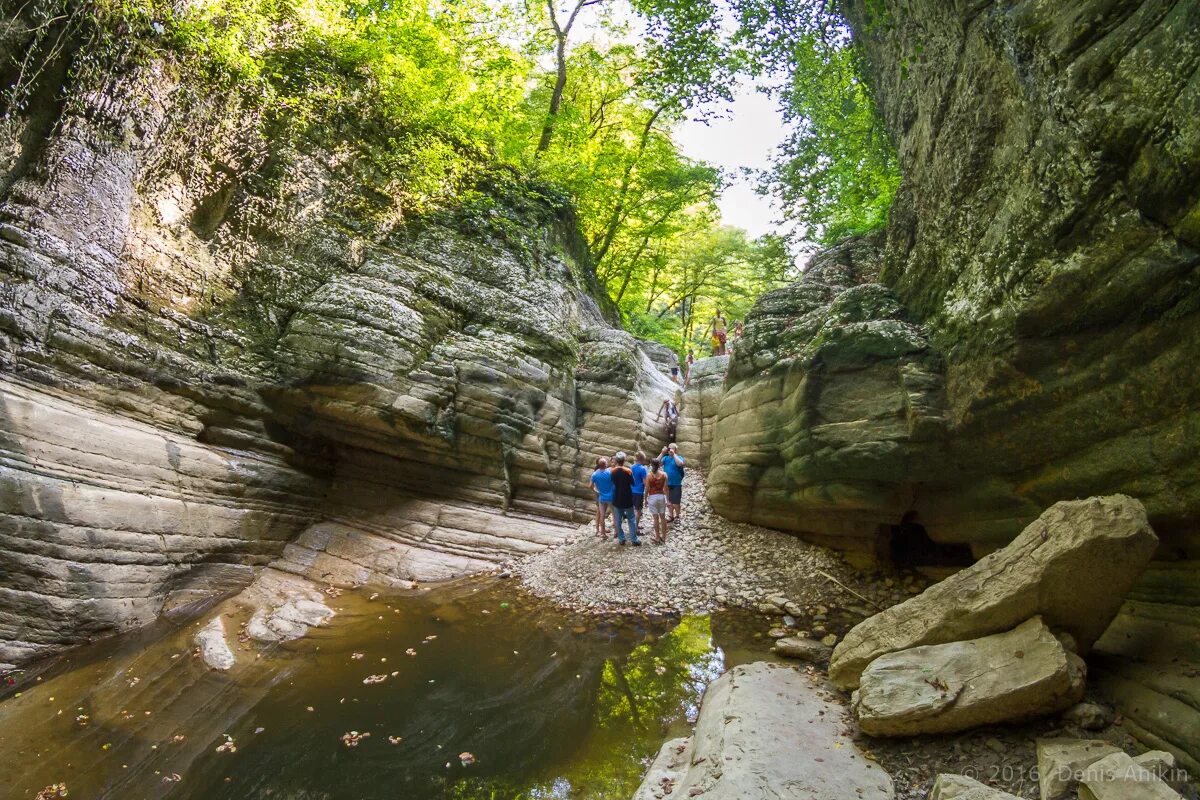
column 218, row 344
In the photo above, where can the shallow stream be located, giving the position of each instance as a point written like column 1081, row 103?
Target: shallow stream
column 485, row 692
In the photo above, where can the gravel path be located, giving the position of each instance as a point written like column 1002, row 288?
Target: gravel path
column 707, row 562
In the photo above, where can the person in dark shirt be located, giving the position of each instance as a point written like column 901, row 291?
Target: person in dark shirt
column 622, row 502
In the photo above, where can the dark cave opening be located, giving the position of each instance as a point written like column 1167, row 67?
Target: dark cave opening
column 909, row 545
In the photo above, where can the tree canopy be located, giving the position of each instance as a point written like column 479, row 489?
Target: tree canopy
column 583, row 96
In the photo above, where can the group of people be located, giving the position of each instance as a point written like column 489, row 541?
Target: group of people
column 629, row 491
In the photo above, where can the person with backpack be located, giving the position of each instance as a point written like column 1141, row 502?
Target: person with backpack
column 672, row 464
column 622, row 501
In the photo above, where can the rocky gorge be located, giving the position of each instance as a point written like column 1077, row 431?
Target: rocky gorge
column 965, row 438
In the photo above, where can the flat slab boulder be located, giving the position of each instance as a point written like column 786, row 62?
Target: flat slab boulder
column 948, row 786
column 808, row 650
column 767, row 731
column 1119, row 777
column 1061, row 763
column 214, row 649
column 1072, row 566
column 1023, row 673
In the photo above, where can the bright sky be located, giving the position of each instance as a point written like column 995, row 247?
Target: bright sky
column 744, row 137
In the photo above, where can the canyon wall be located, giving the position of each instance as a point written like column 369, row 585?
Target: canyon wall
column 227, row 342
column 1026, row 329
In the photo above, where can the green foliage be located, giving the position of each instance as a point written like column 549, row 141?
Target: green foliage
column 443, row 99
column 837, row 172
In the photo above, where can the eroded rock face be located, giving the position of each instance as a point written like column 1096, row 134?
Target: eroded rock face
column 1016, row 675
column 1072, row 566
column 699, row 407
column 832, row 397
column 214, row 362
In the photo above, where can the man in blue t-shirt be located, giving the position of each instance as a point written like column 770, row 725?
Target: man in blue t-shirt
column 672, row 464
column 639, row 483
column 602, row 485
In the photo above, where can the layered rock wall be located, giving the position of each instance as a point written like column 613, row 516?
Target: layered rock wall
column 229, row 340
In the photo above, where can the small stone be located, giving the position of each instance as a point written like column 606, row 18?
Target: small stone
column 829, row 640
column 1089, row 716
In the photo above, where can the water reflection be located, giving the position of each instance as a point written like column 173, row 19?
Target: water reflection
column 547, row 705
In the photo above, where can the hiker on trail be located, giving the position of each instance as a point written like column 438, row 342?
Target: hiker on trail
column 672, row 464
column 739, row 330
column 656, row 500
column 691, row 359
column 639, row 484
column 668, row 410
column 622, row 501
column 602, row 485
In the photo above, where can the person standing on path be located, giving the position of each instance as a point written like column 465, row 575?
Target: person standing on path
column 656, row 500
column 622, row 501
column 639, row 484
column 602, row 485
column 673, row 465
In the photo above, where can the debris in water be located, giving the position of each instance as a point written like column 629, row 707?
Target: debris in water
column 466, row 758
column 352, row 738
column 395, row 739
column 52, row 791
column 370, row 680
column 178, row 738
column 227, row 746
column 357, row 656
column 411, row 652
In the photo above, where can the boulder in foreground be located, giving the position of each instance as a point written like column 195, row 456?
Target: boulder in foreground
column 766, row 731
column 1073, row 566
column 1023, row 673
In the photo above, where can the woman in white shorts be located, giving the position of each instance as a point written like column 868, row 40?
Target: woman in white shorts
column 656, row 500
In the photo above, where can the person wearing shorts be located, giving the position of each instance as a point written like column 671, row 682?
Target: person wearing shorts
column 639, row 484
column 656, row 500
column 602, row 485
column 672, row 464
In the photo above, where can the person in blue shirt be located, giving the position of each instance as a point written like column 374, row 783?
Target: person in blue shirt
column 672, row 464
column 639, row 484
column 602, row 485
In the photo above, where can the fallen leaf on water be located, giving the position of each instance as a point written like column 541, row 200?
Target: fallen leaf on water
column 174, row 777
column 466, row 758
column 178, row 738
column 373, row 596
column 357, row 656
column 373, row 679
column 52, row 791
column 227, row 746
column 411, row 652
column 395, row 739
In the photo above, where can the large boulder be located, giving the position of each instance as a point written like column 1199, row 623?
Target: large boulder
column 767, row 730
column 1072, row 566
column 1023, row 673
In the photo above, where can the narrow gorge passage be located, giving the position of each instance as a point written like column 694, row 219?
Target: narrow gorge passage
column 329, row 329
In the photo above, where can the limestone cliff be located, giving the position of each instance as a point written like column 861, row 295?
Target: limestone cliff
column 1028, row 328
column 227, row 342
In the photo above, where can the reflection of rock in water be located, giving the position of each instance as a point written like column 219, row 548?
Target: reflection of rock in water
column 496, row 673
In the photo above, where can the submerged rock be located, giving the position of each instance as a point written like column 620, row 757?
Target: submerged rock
column 1023, row 673
column 808, row 650
column 214, row 649
column 766, row 730
column 1072, row 566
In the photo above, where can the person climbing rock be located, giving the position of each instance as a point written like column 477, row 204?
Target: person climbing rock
column 656, row 500
column 691, row 359
column 668, row 412
column 622, row 501
column 639, row 484
column 602, row 485
column 672, row 464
